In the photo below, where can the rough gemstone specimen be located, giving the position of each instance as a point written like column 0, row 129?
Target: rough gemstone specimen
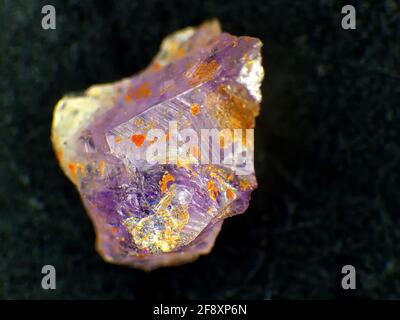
column 166, row 209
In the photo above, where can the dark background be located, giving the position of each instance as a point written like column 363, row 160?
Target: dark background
column 327, row 150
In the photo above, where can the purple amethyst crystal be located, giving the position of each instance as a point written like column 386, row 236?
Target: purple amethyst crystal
column 162, row 158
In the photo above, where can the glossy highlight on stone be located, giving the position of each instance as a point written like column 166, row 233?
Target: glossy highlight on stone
column 149, row 215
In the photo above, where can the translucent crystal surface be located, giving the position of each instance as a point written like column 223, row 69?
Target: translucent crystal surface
column 149, row 214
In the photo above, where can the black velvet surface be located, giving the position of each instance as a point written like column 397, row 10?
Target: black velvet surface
column 327, row 150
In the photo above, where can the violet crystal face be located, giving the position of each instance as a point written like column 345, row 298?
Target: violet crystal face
column 160, row 159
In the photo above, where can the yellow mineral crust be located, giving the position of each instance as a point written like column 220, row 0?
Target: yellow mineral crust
column 71, row 114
